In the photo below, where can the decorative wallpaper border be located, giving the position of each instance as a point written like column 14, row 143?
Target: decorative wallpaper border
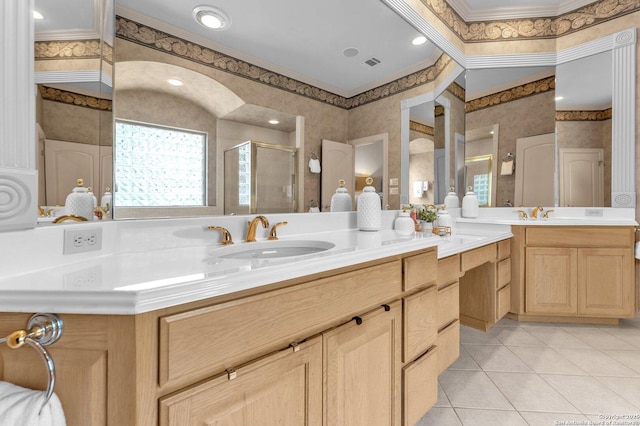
column 531, row 28
column 70, row 98
column 421, row 128
column 525, row 90
column 458, row 91
column 73, row 49
column 603, row 115
column 135, row 32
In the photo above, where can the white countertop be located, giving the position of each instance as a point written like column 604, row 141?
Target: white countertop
column 142, row 281
column 152, row 264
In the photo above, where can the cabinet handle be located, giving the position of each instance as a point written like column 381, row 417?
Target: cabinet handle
column 358, row 320
column 232, row 374
column 295, row 346
column 386, row 307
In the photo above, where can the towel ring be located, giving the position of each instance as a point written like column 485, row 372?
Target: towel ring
column 42, row 330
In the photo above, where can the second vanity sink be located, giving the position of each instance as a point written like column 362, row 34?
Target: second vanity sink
column 273, row 249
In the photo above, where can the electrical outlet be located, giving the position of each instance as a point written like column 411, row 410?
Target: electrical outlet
column 80, row 240
column 593, row 212
column 86, row 278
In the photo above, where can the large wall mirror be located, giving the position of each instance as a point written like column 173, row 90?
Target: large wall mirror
column 73, row 73
column 216, row 99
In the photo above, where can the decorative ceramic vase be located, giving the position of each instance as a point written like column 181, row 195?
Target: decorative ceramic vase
column 451, row 200
column 470, row 206
column 107, row 201
column 403, row 224
column 341, row 200
column 369, row 208
column 79, row 202
column 444, row 218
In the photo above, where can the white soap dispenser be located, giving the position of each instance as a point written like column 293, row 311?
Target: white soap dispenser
column 369, row 208
column 404, row 224
column 451, row 200
column 470, row 206
column 341, row 200
column 79, row 202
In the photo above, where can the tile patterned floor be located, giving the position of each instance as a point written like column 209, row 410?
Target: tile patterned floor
column 541, row 374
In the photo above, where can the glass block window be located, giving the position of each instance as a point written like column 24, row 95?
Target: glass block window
column 158, row 166
column 481, row 188
column 244, row 172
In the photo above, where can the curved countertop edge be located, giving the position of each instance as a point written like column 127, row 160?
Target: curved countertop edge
column 130, row 299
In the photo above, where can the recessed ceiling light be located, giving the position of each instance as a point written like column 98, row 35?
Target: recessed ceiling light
column 559, row 98
column 37, row 15
column 273, row 121
column 175, row 82
column 211, row 17
column 419, row 40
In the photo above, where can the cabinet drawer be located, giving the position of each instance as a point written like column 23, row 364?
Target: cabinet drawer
column 476, row 257
column 504, row 249
column 504, row 273
column 199, row 343
column 583, row 236
column 420, row 269
column 281, row 388
column 448, row 304
column 420, row 322
column 503, row 302
column 448, row 270
column 448, row 346
column 420, row 386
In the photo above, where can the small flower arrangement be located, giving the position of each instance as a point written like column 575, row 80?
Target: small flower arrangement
column 427, row 213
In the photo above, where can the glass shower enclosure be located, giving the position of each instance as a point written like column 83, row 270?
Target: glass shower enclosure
column 259, row 178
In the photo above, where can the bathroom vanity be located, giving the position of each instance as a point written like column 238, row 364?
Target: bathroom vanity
column 168, row 331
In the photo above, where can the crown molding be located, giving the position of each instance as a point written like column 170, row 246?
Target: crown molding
column 515, row 12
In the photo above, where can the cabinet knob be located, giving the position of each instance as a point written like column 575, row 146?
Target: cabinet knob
column 386, row 307
column 358, row 320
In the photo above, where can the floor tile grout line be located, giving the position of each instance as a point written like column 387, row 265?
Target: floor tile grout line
column 614, row 391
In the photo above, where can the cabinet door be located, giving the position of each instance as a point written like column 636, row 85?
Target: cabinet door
column 362, row 370
column 551, row 280
column 605, row 278
column 284, row 388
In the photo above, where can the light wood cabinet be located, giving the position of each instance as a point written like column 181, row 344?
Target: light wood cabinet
column 485, row 286
column 362, row 370
column 574, row 273
column 284, row 388
column 420, row 386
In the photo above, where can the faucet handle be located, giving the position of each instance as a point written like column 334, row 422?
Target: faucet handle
column 272, row 232
column 226, row 235
column 546, row 214
column 523, row 214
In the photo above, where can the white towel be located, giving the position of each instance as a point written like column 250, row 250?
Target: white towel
column 314, row 165
column 507, row 168
column 21, row 407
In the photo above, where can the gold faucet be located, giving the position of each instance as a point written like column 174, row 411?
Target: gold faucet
column 226, row 235
column 534, row 214
column 523, row 214
column 272, row 233
column 253, row 225
column 546, row 214
column 72, row 217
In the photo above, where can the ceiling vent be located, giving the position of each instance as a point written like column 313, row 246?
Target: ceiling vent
column 372, row 62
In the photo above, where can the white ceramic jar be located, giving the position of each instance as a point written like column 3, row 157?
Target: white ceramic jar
column 404, row 224
column 341, row 200
column 470, row 206
column 369, row 217
column 451, row 200
column 79, row 202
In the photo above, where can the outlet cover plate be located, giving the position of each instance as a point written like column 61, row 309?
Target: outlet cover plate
column 593, row 212
column 79, row 239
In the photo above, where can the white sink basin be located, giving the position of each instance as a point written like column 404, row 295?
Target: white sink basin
column 273, row 249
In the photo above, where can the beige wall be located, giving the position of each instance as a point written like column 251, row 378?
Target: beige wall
column 531, row 116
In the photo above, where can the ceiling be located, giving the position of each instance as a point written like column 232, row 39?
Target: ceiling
column 302, row 40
